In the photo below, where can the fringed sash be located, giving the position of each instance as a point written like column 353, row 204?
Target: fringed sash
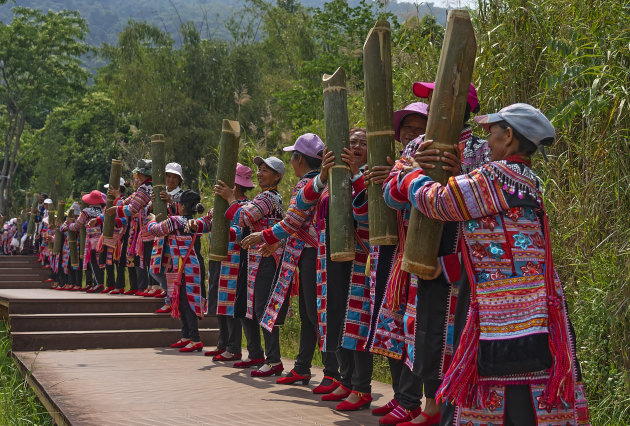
column 322, row 284
column 290, row 258
column 186, row 263
column 157, row 253
column 228, row 279
column 92, row 235
column 409, row 321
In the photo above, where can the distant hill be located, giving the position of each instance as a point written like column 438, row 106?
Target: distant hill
column 106, row 18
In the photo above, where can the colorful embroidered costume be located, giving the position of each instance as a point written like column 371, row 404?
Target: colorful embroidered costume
column 517, row 331
column 93, row 235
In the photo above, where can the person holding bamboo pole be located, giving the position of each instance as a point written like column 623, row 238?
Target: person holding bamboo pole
column 343, row 286
column 425, row 317
column 95, row 202
column 140, row 242
column 514, row 361
column 65, row 268
column 259, row 264
column 298, row 231
column 173, row 177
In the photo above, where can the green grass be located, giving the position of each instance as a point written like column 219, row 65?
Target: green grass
column 18, row 403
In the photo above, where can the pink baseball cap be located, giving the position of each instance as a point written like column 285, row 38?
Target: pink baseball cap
column 415, row 108
column 423, row 89
column 308, row 144
column 243, row 176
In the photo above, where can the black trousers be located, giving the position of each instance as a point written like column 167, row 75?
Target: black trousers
column 355, row 368
column 190, row 325
column 308, row 318
column 230, row 334
column 406, row 385
column 431, row 319
column 251, row 327
column 98, row 274
column 144, row 279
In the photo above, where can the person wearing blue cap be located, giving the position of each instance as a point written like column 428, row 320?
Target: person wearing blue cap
column 514, row 361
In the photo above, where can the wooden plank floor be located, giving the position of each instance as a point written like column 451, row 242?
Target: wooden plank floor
column 164, row 387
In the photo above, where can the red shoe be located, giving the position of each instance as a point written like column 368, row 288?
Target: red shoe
column 217, row 351
column 130, row 292
column 365, row 399
column 400, row 415
column 428, row 420
column 75, row 288
column 161, row 293
column 165, row 310
column 255, row 362
column 96, row 289
column 108, row 289
column 234, row 357
column 385, row 409
column 150, row 293
column 49, row 280
column 46, row 266
column 196, row 347
column 293, row 377
column 140, row 293
column 327, row 385
column 275, row 369
column 337, row 397
column 180, row 343
column 117, row 291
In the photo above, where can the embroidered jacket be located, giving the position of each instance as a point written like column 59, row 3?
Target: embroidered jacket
column 135, row 208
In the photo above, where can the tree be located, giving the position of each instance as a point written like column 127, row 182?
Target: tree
column 40, row 67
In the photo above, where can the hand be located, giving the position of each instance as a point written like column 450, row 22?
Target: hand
column 351, row 160
column 438, row 271
column 150, row 217
column 327, row 162
column 224, row 191
column 252, row 240
column 267, row 250
column 111, row 192
column 378, row 174
column 92, row 222
column 111, row 211
column 426, row 158
column 166, row 197
column 191, row 226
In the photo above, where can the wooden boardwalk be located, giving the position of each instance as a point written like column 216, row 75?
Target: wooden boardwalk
column 114, row 367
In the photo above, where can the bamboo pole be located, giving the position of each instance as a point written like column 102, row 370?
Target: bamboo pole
column 340, row 217
column 114, row 183
column 448, row 106
column 82, row 232
column 61, row 206
column 226, row 172
column 379, row 120
column 30, row 228
column 158, row 157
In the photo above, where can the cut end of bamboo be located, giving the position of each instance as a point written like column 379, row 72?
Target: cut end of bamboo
column 230, row 126
column 115, row 161
column 378, row 28
column 423, row 271
column 217, row 257
column 458, row 14
column 338, row 78
column 157, row 138
column 386, row 240
column 342, row 256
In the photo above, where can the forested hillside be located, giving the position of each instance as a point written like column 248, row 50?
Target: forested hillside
column 261, row 63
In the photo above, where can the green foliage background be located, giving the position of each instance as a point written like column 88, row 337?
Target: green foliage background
column 567, row 57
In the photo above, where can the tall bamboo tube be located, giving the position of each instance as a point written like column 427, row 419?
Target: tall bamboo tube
column 51, row 216
column 340, row 218
column 61, row 206
column 72, row 246
column 158, row 157
column 379, row 120
column 30, row 228
column 226, row 172
column 82, row 232
column 448, row 106
column 114, row 183
column 27, row 197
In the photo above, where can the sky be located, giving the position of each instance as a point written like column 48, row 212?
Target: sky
column 446, row 3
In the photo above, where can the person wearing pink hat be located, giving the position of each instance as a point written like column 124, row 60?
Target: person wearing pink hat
column 95, row 200
column 298, row 231
column 226, row 292
column 259, row 263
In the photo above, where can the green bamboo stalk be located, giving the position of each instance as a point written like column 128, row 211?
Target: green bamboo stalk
column 30, row 227
column 114, row 183
column 61, row 206
column 158, row 156
column 379, row 120
column 226, row 172
column 82, row 232
column 340, row 218
column 448, row 106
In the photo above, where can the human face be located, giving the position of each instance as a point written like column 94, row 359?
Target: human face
column 137, row 180
column 411, row 127
column 267, row 176
column 172, row 181
column 501, row 142
column 358, row 146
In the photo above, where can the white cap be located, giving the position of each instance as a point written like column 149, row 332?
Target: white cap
column 122, row 183
column 48, row 201
column 273, row 163
column 176, row 169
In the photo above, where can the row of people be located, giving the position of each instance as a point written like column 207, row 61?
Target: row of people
column 487, row 338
